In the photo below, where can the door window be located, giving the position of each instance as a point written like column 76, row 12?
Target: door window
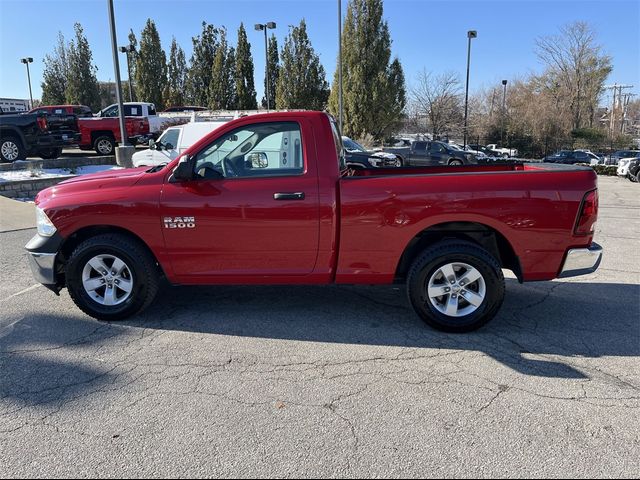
column 169, row 138
column 257, row 150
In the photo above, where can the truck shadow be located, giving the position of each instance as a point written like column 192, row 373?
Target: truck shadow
column 548, row 318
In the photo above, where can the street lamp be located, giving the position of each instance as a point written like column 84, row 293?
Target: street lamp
column 27, row 61
column 129, row 49
column 265, row 27
column 470, row 34
column 340, row 62
column 504, row 111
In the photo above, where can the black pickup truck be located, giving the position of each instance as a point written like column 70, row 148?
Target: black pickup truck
column 29, row 134
column 426, row 153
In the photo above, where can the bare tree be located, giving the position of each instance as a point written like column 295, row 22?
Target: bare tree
column 575, row 72
column 439, row 97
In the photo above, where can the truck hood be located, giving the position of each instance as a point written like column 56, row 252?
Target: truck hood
column 93, row 181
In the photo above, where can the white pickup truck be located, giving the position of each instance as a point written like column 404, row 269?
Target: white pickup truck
column 505, row 152
column 137, row 109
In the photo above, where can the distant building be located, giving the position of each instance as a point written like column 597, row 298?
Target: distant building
column 14, row 105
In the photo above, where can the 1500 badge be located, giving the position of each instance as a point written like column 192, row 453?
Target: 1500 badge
column 179, row 222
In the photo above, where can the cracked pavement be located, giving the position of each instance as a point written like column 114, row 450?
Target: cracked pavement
column 298, row 381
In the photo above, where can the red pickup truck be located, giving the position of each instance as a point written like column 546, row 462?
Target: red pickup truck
column 267, row 199
column 102, row 134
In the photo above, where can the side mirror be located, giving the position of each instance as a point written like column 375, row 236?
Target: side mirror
column 258, row 160
column 152, row 144
column 184, row 171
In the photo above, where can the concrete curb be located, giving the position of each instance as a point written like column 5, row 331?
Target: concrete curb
column 72, row 162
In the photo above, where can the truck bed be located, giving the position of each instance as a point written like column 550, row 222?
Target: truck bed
column 532, row 207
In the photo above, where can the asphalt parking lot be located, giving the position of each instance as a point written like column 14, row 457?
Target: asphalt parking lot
column 328, row 381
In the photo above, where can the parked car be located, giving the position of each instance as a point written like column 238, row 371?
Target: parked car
column 623, row 166
column 80, row 111
column 138, row 110
column 615, row 157
column 554, row 157
column 577, row 156
column 504, row 152
column 424, row 153
column 26, row 134
column 179, row 109
column 103, row 134
column 634, row 170
column 173, row 142
column 487, row 151
column 267, row 199
column 359, row 157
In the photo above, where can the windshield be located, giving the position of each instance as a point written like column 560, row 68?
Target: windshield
column 351, row 146
column 455, row 146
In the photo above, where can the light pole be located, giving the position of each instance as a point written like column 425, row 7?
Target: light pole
column 125, row 151
column 127, row 50
column 504, row 97
column 470, row 34
column 27, row 61
column 265, row 27
column 340, row 61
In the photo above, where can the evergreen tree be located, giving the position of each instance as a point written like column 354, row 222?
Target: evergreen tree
column 221, row 88
column 274, row 72
column 56, row 71
column 82, row 84
column 301, row 82
column 151, row 65
column 201, row 65
column 366, row 72
column 133, row 60
column 245, row 87
column 176, row 76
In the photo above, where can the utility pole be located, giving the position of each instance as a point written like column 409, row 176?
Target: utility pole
column 626, row 99
column 340, row 64
column 616, row 102
column 265, row 27
column 470, row 34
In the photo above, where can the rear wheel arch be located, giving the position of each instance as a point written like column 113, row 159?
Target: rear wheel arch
column 483, row 235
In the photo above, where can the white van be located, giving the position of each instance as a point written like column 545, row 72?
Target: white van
column 173, row 142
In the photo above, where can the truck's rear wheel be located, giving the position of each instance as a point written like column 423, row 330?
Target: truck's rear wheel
column 455, row 163
column 456, row 286
column 104, row 145
column 111, row 277
column 11, row 149
column 50, row 153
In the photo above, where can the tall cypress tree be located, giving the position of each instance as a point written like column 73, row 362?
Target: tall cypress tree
column 245, row 87
column 82, row 84
column 221, row 88
column 366, row 72
column 301, row 82
column 133, row 59
column 176, row 76
column 201, row 66
column 274, row 71
column 151, row 66
column 56, row 72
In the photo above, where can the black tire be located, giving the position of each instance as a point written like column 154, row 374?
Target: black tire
column 637, row 177
column 50, row 153
column 399, row 162
column 104, row 145
column 144, row 276
column 505, row 155
column 11, row 149
column 455, row 163
column 428, row 265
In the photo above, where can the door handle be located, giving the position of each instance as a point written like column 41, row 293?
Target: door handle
column 288, row 196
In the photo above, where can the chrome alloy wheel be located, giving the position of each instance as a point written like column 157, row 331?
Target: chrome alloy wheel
column 105, row 146
column 456, row 289
column 10, row 150
column 107, row 280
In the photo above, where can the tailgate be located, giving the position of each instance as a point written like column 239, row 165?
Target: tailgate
column 62, row 122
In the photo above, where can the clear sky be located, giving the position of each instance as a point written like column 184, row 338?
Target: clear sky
column 425, row 33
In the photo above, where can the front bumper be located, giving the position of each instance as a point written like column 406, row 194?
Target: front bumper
column 581, row 261
column 42, row 253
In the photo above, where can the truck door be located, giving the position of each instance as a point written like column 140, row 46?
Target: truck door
column 418, row 153
column 252, row 209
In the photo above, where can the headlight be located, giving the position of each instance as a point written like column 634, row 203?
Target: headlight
column 45, row 227
column 374, row 162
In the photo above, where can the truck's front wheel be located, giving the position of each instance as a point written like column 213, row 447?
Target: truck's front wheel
column 111, row 277
column 456, row 286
